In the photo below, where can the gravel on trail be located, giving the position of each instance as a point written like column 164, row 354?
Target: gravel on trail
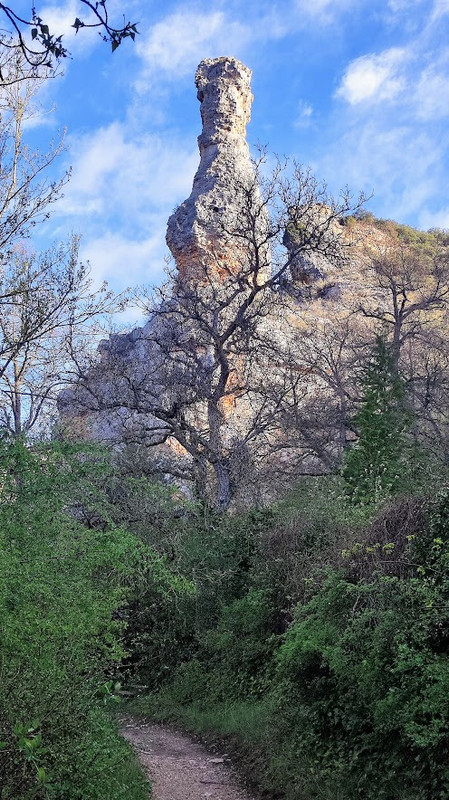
column 179, row 767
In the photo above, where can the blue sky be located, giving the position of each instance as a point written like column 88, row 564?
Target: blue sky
column 357, row 89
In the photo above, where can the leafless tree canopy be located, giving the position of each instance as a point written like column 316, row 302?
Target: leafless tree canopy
column 250, row 371
column 48, row 326
column 50, row 313
column 217, row 372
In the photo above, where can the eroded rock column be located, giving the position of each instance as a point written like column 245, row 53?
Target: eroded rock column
column 196, row 231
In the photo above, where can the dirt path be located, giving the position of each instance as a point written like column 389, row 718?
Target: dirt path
column 179, row 767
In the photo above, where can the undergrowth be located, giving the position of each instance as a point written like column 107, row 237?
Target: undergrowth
column 325, row 669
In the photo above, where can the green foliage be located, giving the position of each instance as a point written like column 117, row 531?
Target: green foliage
column 379, row 464
column 220, row 570
column 160, row 622
column 347, row 697
column 422, row 240
column 303, row 535
column 61, row 593
column 362, row 688
column 238, row 650
column 165, row 624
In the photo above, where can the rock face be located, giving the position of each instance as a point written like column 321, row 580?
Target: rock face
column 247, row 403
column 196, row 231
column 166, row 363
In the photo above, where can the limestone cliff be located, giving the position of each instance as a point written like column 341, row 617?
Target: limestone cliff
column 237, row 380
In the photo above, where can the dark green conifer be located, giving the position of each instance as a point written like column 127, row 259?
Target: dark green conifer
column 379, row 463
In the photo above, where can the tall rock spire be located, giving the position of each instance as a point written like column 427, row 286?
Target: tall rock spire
column 195, row 231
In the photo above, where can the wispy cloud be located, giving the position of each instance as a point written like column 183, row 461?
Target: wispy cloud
column 436, row 219
column 117, row 258
column 390, row 132
column 398, row 163
column 173, row 47
column 125, row 185
column 116, row 171
column 304, row 115
column 60, row 18
column 323, row 12
column 176, row 44
column 378, row 123
column 440, row 9
column 401, row 6
column 431, row 96
column 374, row 77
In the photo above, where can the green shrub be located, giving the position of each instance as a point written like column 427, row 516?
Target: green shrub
column 331, row 618
column 238, row 651
column 63, row 589
column 160, row 632
column 363, row 680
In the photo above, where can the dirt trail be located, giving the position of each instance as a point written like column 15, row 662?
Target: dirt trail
column 179, row 767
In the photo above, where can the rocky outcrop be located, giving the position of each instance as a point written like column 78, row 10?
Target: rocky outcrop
column 199, row 231
column 236, row 380
column 172, row 361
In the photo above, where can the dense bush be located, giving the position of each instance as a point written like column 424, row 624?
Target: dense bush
column 353, row 685
column 361, row 688
column 63, row 591
column 160, row 632
column 238, row 650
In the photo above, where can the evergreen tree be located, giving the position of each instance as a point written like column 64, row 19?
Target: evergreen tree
column 380, row 461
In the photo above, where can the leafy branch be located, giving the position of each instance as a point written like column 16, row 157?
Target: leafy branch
column 46, row 46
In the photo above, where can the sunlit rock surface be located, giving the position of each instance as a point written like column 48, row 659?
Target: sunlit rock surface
column 196, row 231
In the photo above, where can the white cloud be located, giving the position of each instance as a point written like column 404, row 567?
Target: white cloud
column 435, row 219
column 60, row 18
column 119, row 259
column 123, row 188
column 432, row 95
column 401, row 164
column 324, row 12
column 41, row 118
column 118, row 172
column 177, row 43
column 374, row 77
column 390, row 135
column 304, row 115
column 440, row 9
column 398, row 6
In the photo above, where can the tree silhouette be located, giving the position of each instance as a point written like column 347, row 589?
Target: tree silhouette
column 46, row 47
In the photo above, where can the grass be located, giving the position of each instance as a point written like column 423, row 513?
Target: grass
column 248, row 721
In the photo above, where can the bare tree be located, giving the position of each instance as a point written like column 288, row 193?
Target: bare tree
column 47, row 303
column 408, row 272
column 329, row 352
column 49, row 324
column 26, row 191
column 397, row 287
column 411, row 282
column 214, row 368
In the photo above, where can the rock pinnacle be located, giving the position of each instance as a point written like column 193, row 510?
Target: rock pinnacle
column 195, row 230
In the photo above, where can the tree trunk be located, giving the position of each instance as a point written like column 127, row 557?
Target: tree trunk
column 224, row 489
